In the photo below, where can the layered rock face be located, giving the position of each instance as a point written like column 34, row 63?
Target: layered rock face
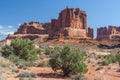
column 70, row 23
column 31, row 30
column 112, row 32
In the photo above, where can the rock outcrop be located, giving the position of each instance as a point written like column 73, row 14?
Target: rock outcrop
column 90, row 32
column 71, row 24
column 110, row 33
column 31, row 30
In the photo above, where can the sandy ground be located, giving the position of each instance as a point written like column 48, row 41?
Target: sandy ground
column 46, row 73
column 104, row 74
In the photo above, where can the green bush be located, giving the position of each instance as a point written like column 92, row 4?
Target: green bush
column 21, row 63
column 48, row 51
column 113, row 58
column 53, row 52
column 24, row 49
column 68, row 60
column 118, row 57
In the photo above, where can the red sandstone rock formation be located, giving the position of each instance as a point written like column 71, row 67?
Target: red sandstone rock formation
column 31, row 28
column 112, row 32
column 60, row 37
column 29, row 36
column 71, row 23
column 90, row 32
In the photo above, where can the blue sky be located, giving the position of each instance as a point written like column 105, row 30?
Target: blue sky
column 15, row 12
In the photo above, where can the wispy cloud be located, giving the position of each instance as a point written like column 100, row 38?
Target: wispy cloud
column 10, row 26
column 1, row 27
column 5, row 30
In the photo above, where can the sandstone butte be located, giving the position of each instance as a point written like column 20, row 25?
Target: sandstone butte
column 112, row 33
column 71, row 24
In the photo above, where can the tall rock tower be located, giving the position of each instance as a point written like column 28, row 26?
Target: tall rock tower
column 71, row 23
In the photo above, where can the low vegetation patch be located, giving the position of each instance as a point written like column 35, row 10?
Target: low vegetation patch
column 27, row 75
column 108, row 59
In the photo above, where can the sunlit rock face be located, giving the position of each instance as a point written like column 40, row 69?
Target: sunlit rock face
column 32, row 28
column 71, row 23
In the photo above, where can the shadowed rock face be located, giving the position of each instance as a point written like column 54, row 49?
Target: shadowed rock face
column 112, row 32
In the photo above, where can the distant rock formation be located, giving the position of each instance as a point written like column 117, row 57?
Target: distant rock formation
column 110, row 33
column 71, row 24
column 31, row 30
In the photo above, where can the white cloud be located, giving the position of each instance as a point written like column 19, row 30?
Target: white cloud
column 5, row 30
column 19, row 24
column 1, row 27
column 10, row 26
column 10, row 32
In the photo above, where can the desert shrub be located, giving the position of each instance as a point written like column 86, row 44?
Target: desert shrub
column 39, row 51
column 68, row 60
column 27, row 74
column 54, row 51
column 118, row 57
column 21, row 63
column 24, row 49
column 111, row 58
column 14, row 58
column 48, row 51
column 6, row 65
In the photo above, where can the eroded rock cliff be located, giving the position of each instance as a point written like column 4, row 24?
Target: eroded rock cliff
column 71, row 23
column 112, row 33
